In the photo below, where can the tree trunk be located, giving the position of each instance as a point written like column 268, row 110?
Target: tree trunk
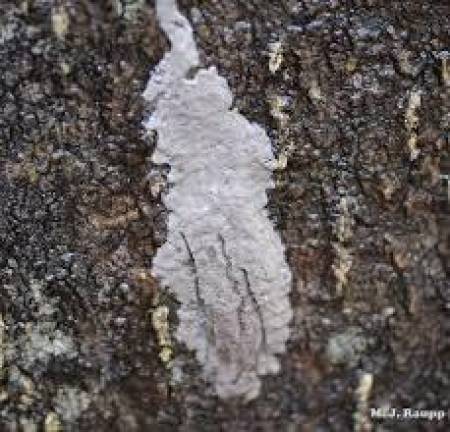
column 354, row 96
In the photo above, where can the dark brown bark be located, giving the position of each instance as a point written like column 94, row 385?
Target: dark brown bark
column 357, row 100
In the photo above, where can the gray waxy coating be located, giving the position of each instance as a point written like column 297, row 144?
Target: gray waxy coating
column 222, row 259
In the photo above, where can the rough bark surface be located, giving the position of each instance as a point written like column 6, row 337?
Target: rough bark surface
column 355, row 97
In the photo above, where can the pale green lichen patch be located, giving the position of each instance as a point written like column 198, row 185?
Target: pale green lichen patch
column 361, row 416
column 346, row 348
column 275, row 56
column 52, row 423
column 343, row 233
column 70, row 402
column 2, row 346
column 129, row 9
column 42, row 341
column 160, row 322
column 412, row 122
column 445, row 70
column 60, row 22
column 278, row 105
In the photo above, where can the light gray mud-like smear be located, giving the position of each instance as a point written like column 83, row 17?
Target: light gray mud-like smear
column 222, row 259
